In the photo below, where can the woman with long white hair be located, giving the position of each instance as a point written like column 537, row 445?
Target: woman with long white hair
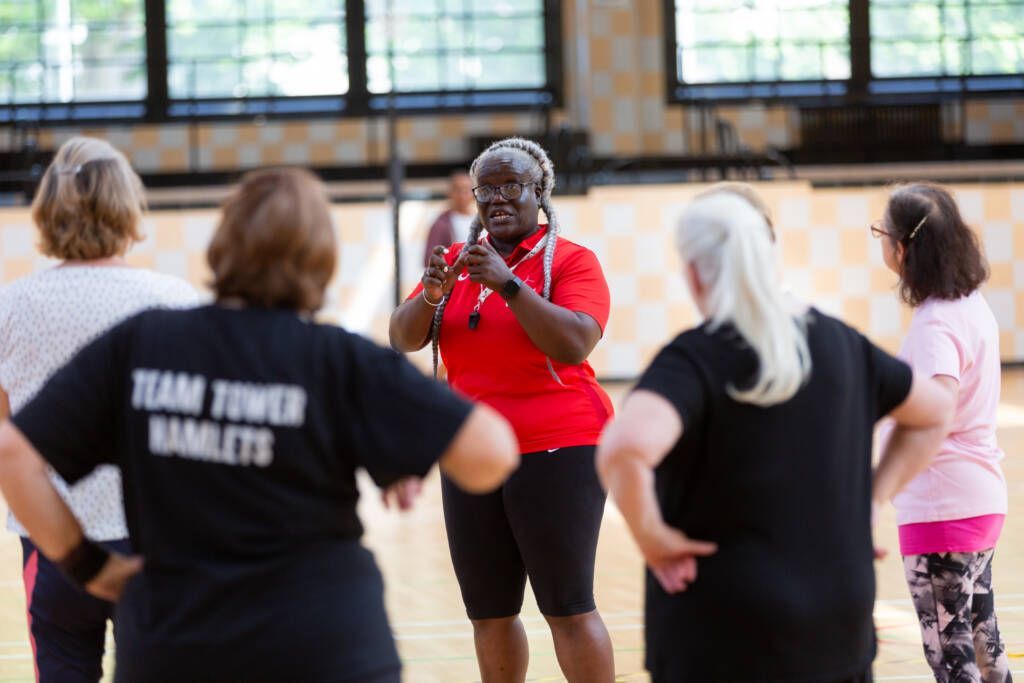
column 752, row 432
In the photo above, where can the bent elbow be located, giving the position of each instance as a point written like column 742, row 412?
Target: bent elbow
column 395, row 336
column 603, row 462
column 8, row 443
column 395, row 340
column 573, row 353
column 491, row 454
column 619, row 450
column 16, row 453
column 503, row 463
column 398, row 336
column 505, row 456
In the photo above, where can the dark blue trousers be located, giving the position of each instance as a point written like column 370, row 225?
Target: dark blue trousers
column 67, row 626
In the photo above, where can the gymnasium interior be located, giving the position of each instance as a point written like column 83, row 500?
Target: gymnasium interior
column 822, row 105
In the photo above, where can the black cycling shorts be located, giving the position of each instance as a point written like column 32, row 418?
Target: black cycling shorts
column 542, row 523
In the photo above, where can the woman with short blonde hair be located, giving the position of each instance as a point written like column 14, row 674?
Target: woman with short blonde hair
column 89, row 203
column 88, row 211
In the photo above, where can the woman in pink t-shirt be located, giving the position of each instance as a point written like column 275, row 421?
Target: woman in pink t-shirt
column 950, row 516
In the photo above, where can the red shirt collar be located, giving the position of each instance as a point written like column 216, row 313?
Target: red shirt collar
column 524, row 247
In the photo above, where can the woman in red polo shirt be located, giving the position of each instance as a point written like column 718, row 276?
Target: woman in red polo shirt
column 515, row 315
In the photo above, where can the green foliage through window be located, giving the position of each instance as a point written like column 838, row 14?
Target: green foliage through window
column 745, row 41
column 440, row 45
column 947, row 37
column 256, row 48
column 55, row 51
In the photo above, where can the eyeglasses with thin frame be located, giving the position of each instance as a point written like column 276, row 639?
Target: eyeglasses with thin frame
column 877, row 232
column 509, row 191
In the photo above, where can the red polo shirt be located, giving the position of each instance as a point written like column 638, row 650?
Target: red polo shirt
column 497, row 364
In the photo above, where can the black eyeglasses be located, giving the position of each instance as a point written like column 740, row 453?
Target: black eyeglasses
column 509, row 191
column 877, row 232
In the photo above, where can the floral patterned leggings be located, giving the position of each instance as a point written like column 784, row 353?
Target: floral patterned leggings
column 955, row 605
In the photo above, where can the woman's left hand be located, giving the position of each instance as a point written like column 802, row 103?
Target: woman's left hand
column 403, row 493
column 672, row 556
column 485, row 265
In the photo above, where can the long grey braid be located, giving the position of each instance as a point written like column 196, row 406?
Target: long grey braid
column 475, row 228
column 547, row 184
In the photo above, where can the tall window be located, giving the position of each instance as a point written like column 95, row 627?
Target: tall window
column 256, row 48
column 87, row 59
column 55, row 51
column 441, row 45
column 747, row 41
column 947, row 37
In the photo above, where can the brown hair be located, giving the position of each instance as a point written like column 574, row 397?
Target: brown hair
column 275, row 245
column 89, row 203
column 747, row 193
column 942, row 256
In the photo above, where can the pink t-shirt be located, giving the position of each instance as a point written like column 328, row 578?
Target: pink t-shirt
column 959, row 339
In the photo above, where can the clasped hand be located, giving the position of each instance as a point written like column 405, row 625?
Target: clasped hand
column 486, row 266
column 483, row 264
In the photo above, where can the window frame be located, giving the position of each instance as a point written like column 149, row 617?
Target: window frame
column 861, row 87
column 159, row 107
column 740, row 91
column 13, row 113
column 942, row 86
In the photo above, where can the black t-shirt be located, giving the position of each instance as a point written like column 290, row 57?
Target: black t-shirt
column 239, row 433
column 785, row 493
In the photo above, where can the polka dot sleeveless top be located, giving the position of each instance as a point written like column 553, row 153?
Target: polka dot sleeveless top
column 45, row 318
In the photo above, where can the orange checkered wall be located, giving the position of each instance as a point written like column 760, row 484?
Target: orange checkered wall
column 615, row 88
column 826, row 253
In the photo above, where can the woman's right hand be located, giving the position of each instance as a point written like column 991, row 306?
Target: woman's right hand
column 403, row 493
column 114, row 576
column 439, row 278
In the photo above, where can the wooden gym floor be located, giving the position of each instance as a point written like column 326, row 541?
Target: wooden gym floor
column 435, row 639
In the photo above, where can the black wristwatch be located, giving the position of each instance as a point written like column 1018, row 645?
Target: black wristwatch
column 511, row 288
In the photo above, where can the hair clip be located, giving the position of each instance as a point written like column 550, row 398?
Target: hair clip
column 70, row 170
column 913, row 233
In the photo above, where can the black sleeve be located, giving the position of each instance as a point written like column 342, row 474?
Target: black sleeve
column 674, row 375
column 75, row 418
column 401, row 422
column 891, row 377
